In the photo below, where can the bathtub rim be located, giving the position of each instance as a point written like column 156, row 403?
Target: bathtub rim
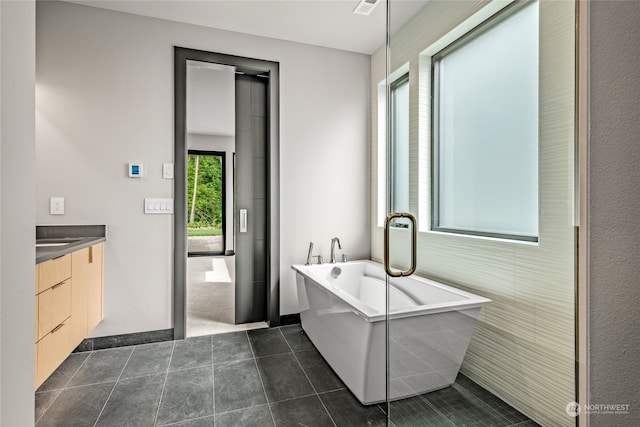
column 368, row 314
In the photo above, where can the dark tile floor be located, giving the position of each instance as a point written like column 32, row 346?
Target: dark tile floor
column 257, row 378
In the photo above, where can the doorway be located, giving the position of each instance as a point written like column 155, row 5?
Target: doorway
column 228, row 221
column 206, row 201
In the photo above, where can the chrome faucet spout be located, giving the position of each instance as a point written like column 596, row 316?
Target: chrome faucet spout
column 309, row 253
column 333, row 249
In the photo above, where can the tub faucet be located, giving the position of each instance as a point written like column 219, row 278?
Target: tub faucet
column 333, row 249
column 309, row 253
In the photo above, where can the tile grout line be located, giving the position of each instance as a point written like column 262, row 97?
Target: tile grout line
column 236, row 410
column 77, row 370
column 49, row 406
column 293, row 398
column 184, row 421
column 61, row 389
column 473, row 396
column 155, row 420
column 264, row 390
column 274, row 354
column 436, row 410
column 114, row 387
column 213, row 382
column 73, row 387
column 333, row 390
column 307, row 376
column 65, row 386
column 524, row 423
column 232, row 361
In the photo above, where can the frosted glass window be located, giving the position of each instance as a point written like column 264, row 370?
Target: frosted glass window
column 399, row 173
column 485, row 128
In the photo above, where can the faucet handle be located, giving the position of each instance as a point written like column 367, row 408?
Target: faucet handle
column 309, row 254
column 345, row 257
column 319, row 257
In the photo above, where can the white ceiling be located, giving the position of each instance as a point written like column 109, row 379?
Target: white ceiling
column 328, row 23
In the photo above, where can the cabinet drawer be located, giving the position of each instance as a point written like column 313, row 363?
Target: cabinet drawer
column 54, row 306
column 52, row 272
column 51, row 351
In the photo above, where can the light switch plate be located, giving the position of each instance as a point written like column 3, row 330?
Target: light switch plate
column 56, row 205
column 167, row 170
column 158, row 206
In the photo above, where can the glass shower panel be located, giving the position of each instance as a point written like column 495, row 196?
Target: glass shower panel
column 470, row 319
column 405, row 367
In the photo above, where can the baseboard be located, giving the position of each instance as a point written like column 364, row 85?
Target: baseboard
column 290, row 319
column 113, row 341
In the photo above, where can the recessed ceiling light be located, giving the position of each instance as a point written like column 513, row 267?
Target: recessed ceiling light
column 365, row 7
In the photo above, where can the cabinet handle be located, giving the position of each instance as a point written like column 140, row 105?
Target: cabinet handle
column 57, row 328
column 58, row 285
column 90, row 254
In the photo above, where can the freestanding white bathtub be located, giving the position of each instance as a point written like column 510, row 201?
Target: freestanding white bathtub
column 430, row 327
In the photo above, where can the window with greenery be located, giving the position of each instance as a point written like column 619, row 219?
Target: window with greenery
column 205, row 199
column 399, row 148
column 485, row 128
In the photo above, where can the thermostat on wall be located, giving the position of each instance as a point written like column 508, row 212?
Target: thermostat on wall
column 135, row 170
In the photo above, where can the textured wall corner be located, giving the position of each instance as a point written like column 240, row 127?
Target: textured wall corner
column 614, row 209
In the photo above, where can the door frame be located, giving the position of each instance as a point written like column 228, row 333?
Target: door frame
column 181, row 55
column 224, row 201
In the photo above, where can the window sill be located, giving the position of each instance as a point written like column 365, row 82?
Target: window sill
column 484, row 238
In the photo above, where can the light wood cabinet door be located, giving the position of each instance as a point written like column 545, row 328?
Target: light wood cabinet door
column 54, row 306
column 51, row 351
column 52, row 272
column 80, row 274
column 95, row 290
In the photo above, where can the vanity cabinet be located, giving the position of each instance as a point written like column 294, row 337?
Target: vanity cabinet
column 69, row 292
column 86, row 298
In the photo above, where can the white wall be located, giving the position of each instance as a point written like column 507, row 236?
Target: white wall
column 17, row 206
column 105, row 97
column 614, row 209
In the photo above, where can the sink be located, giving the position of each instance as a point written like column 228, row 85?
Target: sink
column 48, row 243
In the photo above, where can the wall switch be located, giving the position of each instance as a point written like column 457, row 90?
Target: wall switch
column 158, row 206
column 167, row 170
column 56, row 205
